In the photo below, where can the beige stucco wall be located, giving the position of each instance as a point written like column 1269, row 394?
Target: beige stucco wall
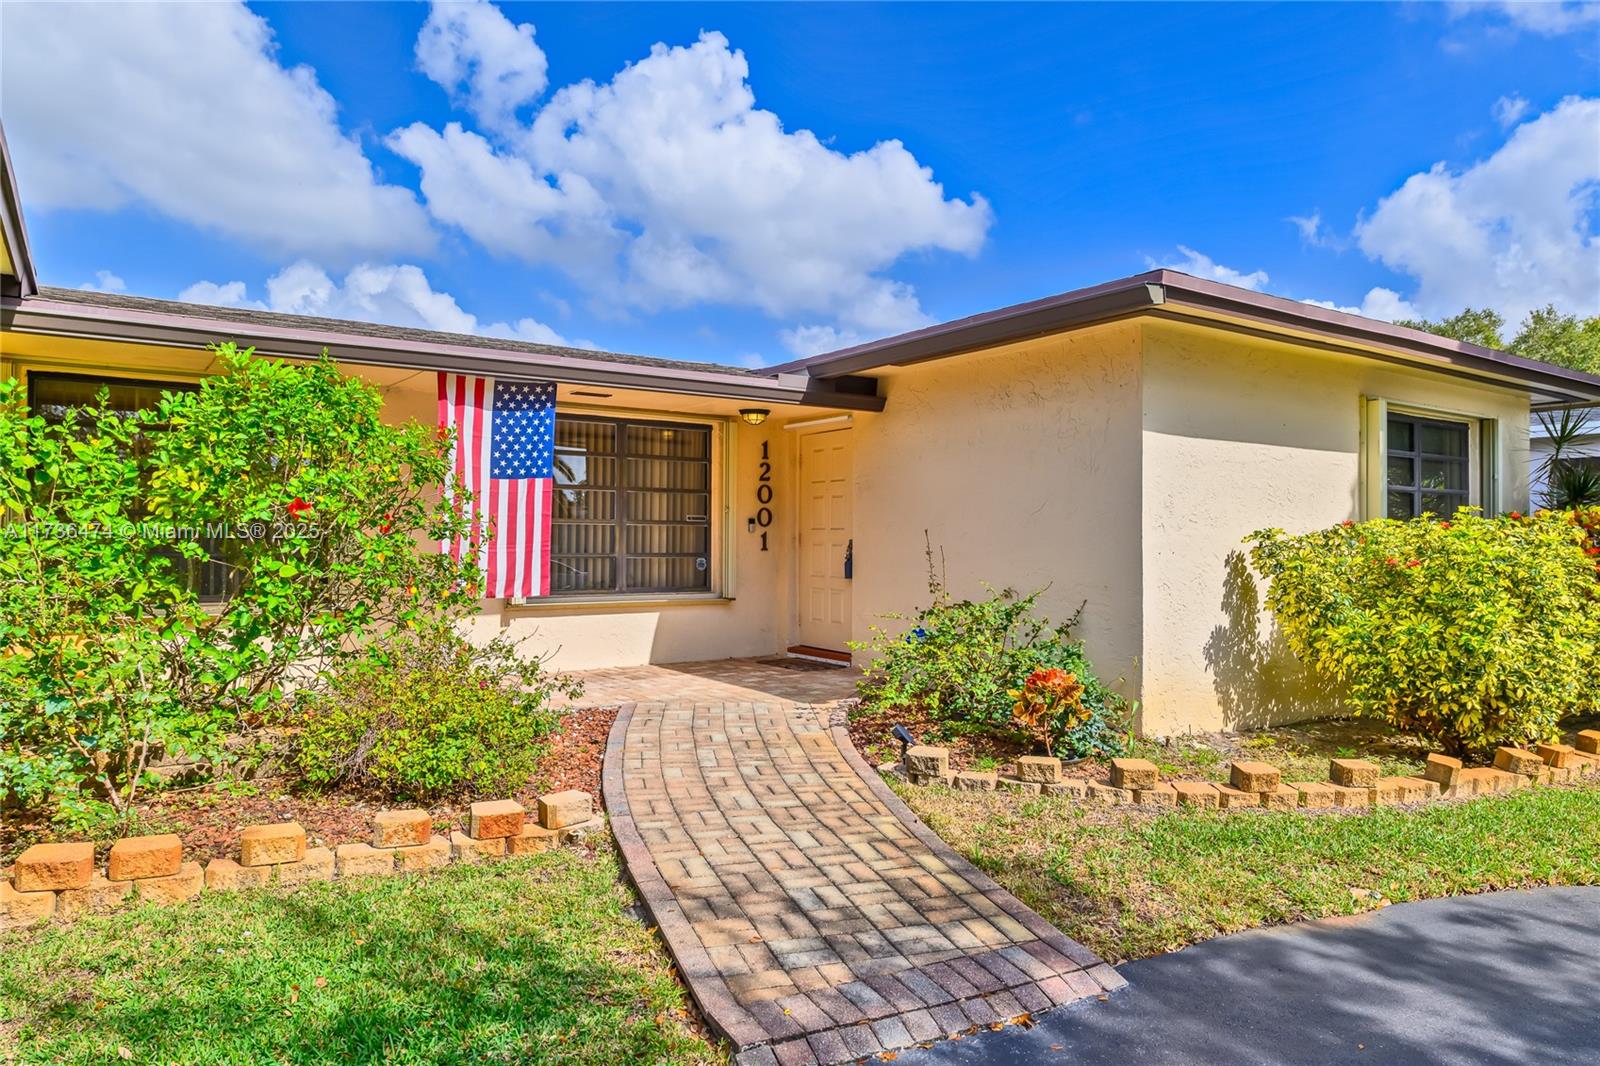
column 1239, row 435
column 1022, row 464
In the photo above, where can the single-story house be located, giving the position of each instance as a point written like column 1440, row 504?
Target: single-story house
column 1111, row 444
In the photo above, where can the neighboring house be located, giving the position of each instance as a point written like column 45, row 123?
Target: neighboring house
column 1584, row 450
column 1112, row 444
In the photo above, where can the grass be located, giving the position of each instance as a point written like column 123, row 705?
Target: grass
column 1130, row 884
column 530, row 960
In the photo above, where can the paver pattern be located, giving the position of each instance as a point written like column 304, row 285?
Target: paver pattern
column 814, row 918
column 717, row 680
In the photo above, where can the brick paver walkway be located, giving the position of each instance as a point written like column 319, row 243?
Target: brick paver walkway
column 814, row 918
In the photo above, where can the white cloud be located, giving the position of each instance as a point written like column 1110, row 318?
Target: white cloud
column 104, row 281
column 1310, row 226
column 1509, row 110
column 1512, row 232
column 668, row 186
column 1546, row 18
column 488, row 65
column 396, row 294
column 805, row 341
column 185, row 108
column 1379, row 303
column 1203, row 266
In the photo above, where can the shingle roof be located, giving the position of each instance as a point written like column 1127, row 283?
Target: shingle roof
column 245, row 316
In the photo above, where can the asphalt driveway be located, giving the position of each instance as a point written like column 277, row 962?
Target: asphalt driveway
column 1509, row 977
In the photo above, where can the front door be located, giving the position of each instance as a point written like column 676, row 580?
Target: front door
column 825, row 532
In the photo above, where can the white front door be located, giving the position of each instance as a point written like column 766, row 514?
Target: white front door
column 825, row 539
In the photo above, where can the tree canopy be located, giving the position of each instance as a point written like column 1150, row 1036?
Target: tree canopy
column 1546, row 334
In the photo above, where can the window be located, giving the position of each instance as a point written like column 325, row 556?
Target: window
column 632, row 507
column 1428, row 466
column 50, row 396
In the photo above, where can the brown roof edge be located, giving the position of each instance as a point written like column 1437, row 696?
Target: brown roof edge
column 12, row 227
column 1171, row 293
column 1017, row 322
column 171, row 324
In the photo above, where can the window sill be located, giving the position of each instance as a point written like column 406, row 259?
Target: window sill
column 563, row 604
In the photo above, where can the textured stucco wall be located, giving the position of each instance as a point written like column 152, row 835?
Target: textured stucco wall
column 1022, row 463
column 1241, row 435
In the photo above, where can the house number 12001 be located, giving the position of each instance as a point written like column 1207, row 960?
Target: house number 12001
column 764, row 494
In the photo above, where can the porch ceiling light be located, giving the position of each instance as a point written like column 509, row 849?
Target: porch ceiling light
column 754, row 415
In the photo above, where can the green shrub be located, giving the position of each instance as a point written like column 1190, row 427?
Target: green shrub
column 1471, row 632
column 282, row 475
column 961, row 661
column 426, row 713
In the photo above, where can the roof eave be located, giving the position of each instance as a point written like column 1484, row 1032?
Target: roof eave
column 45, row 317
column 1173, row 295
column 13, row 229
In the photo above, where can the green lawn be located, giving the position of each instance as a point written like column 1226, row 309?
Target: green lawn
column 1130, row 884
column 530, row 960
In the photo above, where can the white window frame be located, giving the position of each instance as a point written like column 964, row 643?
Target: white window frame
column 1483, row 453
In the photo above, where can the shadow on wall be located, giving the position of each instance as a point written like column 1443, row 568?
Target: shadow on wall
column 1258, row 680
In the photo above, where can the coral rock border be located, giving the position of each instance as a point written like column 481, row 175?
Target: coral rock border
column 62, row 881
column 1351, row 784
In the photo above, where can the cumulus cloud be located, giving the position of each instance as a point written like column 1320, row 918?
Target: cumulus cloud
column 396, row 294
column 668, row 186
column 1509, row 110
column 1380, row 303
column 487, row 64
column 104, row 281
column 805, row 341
column 1548, row 19
column 185, row 109
column 1203, row 266
column 1513, row 232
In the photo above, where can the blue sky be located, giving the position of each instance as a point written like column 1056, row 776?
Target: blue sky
column 301, row 157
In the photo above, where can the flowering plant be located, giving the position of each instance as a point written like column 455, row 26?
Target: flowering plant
column 1050, row 702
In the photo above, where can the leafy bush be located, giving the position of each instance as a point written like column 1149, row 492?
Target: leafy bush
column 962, row 662
column 426, row 713
column 282, row 476
column 1471, row 632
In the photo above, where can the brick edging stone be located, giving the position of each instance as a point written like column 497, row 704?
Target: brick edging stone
column 709, row 991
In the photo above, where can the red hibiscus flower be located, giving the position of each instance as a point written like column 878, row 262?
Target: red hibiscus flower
column 298, row 508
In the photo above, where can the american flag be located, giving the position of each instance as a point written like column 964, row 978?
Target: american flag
column 504, row 453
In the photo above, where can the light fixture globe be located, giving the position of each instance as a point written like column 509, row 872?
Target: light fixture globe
column 754, row 415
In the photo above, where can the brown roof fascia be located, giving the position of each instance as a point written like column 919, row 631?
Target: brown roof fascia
column 1347, row 331
column 1036, row 318
column 13, row 229
column 1174, row 295
column 64, row 318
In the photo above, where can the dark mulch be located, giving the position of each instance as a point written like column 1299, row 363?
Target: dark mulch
column 872, row 732
column 208, row 817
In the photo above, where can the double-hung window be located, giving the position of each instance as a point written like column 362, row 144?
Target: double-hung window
column 632, row 507
column 1428, row 466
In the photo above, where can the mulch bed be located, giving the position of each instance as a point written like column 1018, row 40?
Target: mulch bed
column 871, row 730
column 209, row 817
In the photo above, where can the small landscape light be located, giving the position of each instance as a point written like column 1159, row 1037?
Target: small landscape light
column 903, row 735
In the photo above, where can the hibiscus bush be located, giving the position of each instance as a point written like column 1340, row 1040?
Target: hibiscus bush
column 277, row 483
column 1471, row 632
column 966, row 663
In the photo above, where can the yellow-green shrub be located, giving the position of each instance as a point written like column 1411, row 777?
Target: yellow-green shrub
column 1471, row 632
